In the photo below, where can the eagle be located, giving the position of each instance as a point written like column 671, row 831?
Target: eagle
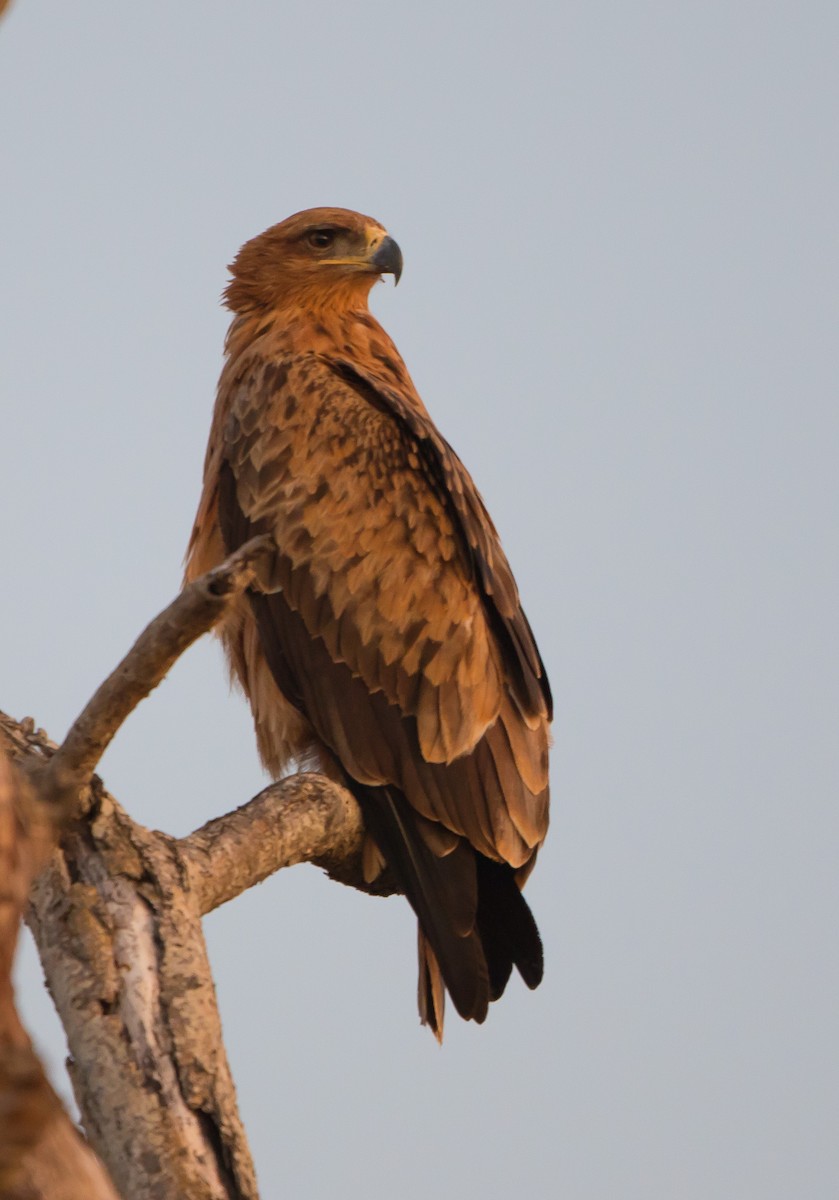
column 383, row 643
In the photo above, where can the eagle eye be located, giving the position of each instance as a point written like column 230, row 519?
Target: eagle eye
column 321, row 239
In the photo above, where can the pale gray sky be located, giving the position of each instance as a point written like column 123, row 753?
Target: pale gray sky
column 620, row 303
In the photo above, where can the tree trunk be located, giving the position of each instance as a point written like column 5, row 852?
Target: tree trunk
column 116, row 914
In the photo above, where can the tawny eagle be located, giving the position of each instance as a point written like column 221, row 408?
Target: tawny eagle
column 385, row 644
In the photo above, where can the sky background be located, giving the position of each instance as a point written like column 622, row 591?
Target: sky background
column 620, row 303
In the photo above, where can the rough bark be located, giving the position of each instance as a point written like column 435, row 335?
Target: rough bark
column 42, row 1156
column 116, row 915
column 305, row 818
column 121, row 944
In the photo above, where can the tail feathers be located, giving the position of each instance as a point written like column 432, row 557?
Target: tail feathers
column 431, row 992
column 474, row 923
column 507, row 929
column 443, row 893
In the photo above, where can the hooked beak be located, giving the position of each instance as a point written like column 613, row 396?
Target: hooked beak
column 387, row 259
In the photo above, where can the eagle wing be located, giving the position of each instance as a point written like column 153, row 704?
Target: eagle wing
column 389, row 614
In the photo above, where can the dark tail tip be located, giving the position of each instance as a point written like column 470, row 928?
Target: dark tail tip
column 507, row 928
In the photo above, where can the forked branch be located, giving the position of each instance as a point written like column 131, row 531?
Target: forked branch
column 117, row 918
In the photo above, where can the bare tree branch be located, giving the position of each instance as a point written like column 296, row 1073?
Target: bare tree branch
column 305, row 818
column 195, row 610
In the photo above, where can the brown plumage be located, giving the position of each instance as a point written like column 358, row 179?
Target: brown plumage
column 386, row 644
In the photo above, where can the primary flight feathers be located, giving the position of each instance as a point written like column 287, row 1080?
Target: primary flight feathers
column 386, row 644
